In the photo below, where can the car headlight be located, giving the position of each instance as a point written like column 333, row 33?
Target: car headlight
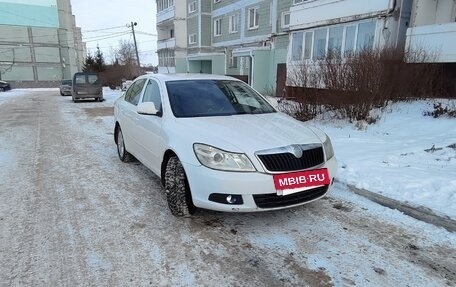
column 329, row 151
column 215, row 158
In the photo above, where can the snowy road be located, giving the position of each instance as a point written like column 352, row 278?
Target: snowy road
column 72, row 214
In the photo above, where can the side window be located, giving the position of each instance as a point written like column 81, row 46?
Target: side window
column 80, row 79
column 152, row 94
column 134, row 92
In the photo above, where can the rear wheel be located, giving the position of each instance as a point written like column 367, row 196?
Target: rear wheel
column 124, row 155
column 177, row 189
column 2, row 90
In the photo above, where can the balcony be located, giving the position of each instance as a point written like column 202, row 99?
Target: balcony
column 166, row 44
column 439, row 41
column 165, row 15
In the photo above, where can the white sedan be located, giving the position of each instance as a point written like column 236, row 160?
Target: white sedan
column 217, row 144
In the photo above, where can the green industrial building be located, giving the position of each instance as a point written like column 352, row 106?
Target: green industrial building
column 39, row 42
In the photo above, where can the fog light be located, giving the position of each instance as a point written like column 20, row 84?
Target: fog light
column 230, row 199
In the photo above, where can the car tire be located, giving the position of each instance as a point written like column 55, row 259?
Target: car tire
column 62, row 94
column 177, row 189
column 124, row 155
column 74, row 100
column 2, row 90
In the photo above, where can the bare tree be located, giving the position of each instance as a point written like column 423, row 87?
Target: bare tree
column 126, row 56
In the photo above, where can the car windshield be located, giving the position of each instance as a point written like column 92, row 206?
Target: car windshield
column 66, row 82
column 206, row 98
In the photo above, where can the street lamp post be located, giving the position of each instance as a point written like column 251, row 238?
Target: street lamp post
column 132, row 25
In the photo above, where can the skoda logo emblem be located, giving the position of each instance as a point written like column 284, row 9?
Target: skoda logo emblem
column 296, row 151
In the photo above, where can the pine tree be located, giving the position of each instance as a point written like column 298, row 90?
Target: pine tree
column 99, row 65
column 89, row 63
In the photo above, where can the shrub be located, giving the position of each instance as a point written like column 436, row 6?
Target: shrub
column 355, row 85
column 440, row 111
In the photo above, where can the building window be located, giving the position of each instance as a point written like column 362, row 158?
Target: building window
column 285, row 19
column 217, row 27
column 233, row 61
column 171, row 33
column 319, row 47
column 192, row 38
column 164, row 4
column 234, row 23
column 335, row 41
column 296, row 46
column 308, row 45
column 350, row 33
column 253, row 18
column 166, row 58
column 366, row 35
column 192, row 7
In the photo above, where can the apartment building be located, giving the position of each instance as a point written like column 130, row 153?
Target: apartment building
column 172, row 36
column 246, row 39
column 319, row 27
column 39, row 43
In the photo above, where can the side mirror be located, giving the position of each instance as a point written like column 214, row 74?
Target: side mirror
column 148, row 108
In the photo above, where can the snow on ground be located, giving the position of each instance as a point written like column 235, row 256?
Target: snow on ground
column 14, row 94
column 405, row 156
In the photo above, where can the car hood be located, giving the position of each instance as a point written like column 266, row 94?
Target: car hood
column 248, row 133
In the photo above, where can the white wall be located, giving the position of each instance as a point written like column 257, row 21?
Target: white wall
column 326, row 12
column 438, row 40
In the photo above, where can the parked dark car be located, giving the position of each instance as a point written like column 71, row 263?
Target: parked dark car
column 65, row 87
column 4, row 86
column 87, row 85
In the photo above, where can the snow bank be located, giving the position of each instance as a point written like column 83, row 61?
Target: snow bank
column 405, row 156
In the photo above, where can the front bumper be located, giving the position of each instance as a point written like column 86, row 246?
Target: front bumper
column 82, row 95
column 204, row 182
column 66, row 92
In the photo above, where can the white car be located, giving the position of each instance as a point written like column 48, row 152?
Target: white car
column 217, row 144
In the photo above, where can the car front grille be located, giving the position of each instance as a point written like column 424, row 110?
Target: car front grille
column 288, row 162
column 272, row 200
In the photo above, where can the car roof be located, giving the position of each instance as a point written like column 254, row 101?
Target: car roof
column 188, row 76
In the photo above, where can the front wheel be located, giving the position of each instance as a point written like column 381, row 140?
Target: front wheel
column 177, row 189
column 124, row 155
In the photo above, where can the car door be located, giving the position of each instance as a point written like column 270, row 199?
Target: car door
column 129, row 117
column 150, row 127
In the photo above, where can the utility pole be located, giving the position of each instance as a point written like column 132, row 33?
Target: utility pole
column 133, row 24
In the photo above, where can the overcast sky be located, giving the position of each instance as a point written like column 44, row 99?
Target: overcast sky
column 100, row 14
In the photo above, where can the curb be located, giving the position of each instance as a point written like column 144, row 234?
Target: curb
column 417, row 212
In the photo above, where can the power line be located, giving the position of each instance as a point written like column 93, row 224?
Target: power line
column 106, row 37
column 103, row 29
column 146, row 33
